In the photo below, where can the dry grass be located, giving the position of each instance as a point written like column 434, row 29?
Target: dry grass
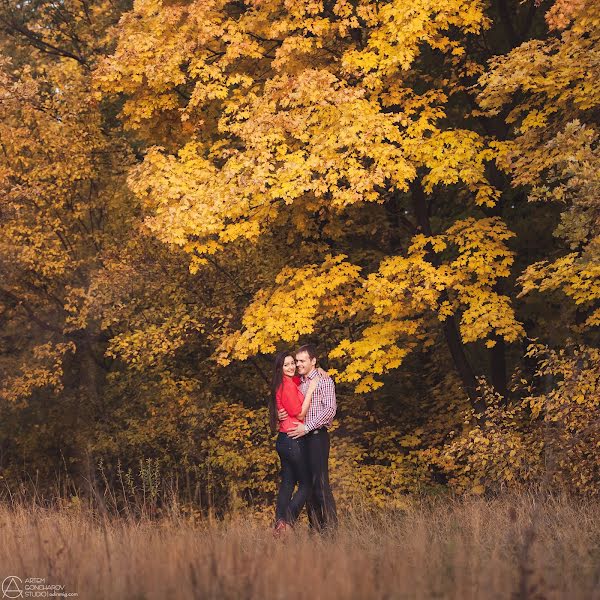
column 506, row 548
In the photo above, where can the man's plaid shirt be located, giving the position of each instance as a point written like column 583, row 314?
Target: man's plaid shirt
column 323, row 405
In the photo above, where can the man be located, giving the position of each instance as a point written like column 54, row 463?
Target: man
column 322, row 514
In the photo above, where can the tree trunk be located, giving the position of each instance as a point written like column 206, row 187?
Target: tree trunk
column 451, row 331
column 87, row 404
column 497, row 356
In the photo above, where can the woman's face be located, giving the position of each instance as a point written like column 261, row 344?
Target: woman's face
column 289, row 366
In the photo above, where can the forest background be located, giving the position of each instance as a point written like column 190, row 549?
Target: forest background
column 188, row 186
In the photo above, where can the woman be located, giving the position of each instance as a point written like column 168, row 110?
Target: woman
column 285, row 393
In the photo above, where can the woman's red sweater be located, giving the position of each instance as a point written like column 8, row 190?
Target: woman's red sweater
column 289, row 397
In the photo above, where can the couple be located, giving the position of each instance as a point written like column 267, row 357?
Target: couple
column 301, row 407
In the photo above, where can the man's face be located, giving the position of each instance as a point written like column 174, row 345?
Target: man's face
column 305, row 363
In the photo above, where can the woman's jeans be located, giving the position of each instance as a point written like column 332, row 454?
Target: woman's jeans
column 294, row 469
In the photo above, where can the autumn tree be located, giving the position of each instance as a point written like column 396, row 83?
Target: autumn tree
column 345, row 125
column 104, row 334
column 188, row 186
column 65, row 208
column 550, row 88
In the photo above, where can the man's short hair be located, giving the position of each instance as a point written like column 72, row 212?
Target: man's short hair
column 310, row 349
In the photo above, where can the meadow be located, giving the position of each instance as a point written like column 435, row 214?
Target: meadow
column 517, row 547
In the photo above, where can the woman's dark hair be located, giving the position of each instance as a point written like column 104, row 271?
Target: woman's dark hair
column 276, row 383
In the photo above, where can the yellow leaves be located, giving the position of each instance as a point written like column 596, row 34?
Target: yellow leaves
column 554, row 78
column 453, row 156
column 367, row 384
column 296, row 145
column 569, row 405
column 238, row 449
column 192, row 206
column 298, row 301
column 488, row 313
column 291, row 49
column 594, row 319
column 437, row 244
column 419, row 242
column 404, row 287
column 44, row 369
column 577, row 276
column 445, row 310
column 536, row 118
column 306, row 131
column 482, row 248
column 373, row 354
column 401, row 29
column 411, row 440
column 289, row 122
column 148, row 107
column 147, row 348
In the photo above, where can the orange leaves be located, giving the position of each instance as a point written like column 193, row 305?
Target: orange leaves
column 562, row 13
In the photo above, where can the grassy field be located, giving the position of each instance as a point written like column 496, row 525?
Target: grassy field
column 517, row 547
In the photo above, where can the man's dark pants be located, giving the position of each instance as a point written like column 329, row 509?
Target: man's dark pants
column 320, row 505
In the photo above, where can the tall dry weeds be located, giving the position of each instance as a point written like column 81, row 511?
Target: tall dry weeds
column 517, row 547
